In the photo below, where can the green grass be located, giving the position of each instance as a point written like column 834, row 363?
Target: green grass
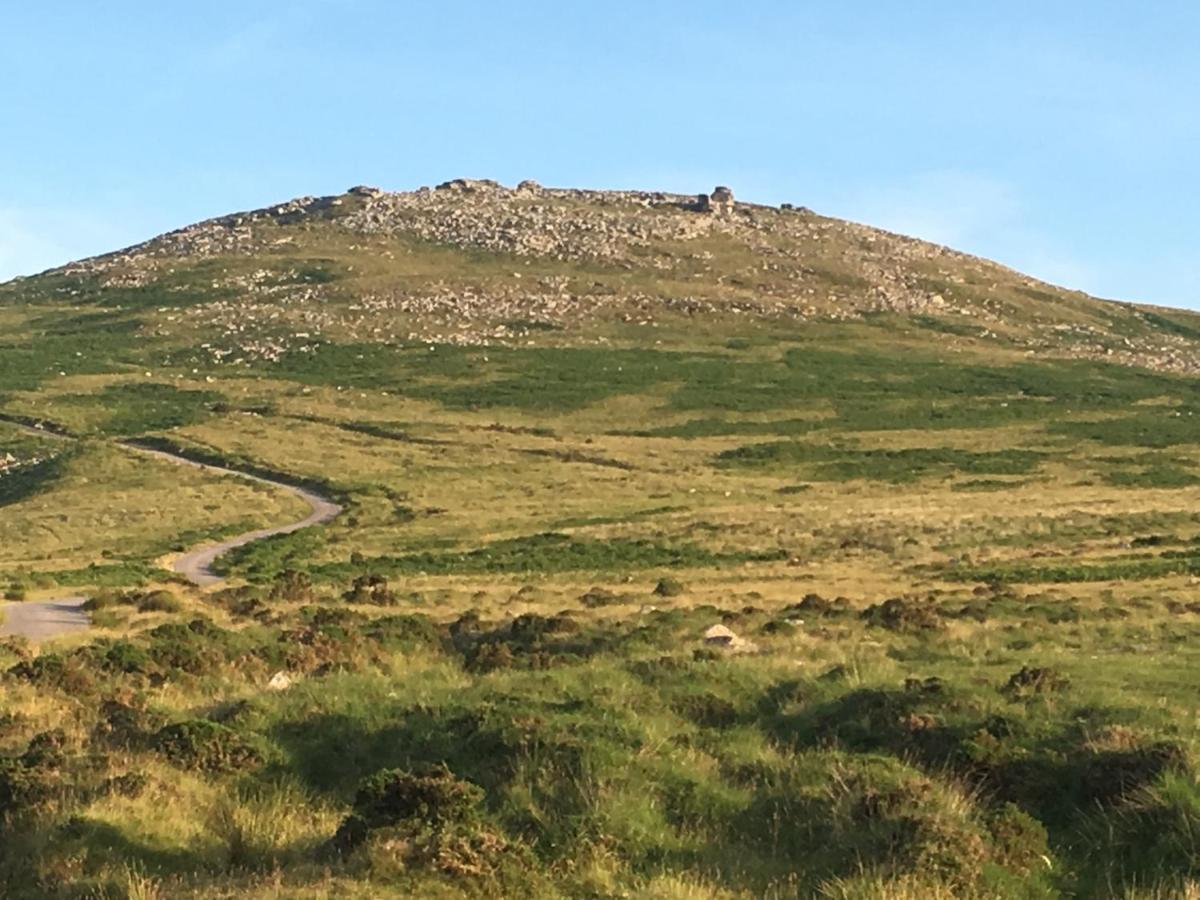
column 1171, row 325
column 946, row 326
column 984, row 484
column 865, row 390
column 1121, row 569
column 139, row 407
column 542, row 554
column 1158, row 475
column 27, row 363
column 1158, row 428
column 31, row 480
column 116, row 574
column 826, row 463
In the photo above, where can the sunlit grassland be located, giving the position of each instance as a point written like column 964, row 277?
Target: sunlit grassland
column 965, row 569
column 112, row 504
column 709, row 762
column 23, row 443
column 776, row 472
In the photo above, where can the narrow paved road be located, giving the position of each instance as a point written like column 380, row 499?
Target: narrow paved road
column 196, row 564
column 43, row 619
column 38, row 620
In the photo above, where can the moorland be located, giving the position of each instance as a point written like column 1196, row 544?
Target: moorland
column 688, row 548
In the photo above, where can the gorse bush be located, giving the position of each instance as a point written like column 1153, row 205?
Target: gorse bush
column 205, row 745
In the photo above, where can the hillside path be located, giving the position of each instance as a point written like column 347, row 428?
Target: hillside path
column 196, row 564
column 44, row 619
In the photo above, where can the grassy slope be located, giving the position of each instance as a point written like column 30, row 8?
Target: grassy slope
column 1031, row 502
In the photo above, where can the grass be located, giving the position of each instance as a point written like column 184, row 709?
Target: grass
column 100, row 505
column 543, row 554
column 1161, row 427
column 826, row 463
column 955, row 548
column 1157, row 475
column 1109, row 570
column 149, row 406
column 31, row 479
column 754, row 765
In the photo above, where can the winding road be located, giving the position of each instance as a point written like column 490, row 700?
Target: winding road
column 196, row 564
column 40, row 620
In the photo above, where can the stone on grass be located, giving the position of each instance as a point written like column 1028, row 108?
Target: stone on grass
column 280, row 681
column 721, row 636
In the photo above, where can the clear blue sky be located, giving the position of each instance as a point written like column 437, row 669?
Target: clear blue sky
column 1058, row 137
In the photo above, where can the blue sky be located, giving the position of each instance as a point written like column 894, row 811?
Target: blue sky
column 1057, row 137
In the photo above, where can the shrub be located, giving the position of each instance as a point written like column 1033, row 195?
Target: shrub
column 430, row 796
column 490, row 656
column 466, row 625
column 198, row 647
column 205, row 745
column 159, row 601
column 55, row 670
column 15, row 645
column 101, row 600
column 125, row 725
column 597, row 597
column 669, row 587
column 403, row 632
column 292, row 587
column 1019, row 840
column 816, row 605
column 427, row 817
column 130, row 784
column 1032, row 681
column 31, row 778
column 152, row 601
column 370, row 589
column 779, row 628
column 902, row 615
column 531, row 628
column 125, row 656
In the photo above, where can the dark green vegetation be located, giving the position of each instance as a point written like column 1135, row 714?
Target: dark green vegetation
column 949, row 515
column 542, row 554
column 1157, row 427
column 859, row 390
column 29, row 479
column 138, row 408
column 827, row 463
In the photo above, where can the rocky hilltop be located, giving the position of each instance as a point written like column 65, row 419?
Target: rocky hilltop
column 474, row 262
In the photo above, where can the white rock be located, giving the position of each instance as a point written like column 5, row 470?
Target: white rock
column 719, row 634
column 280, row 681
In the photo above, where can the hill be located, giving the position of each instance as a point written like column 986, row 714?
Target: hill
column 472, row 262
column 946, row 513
